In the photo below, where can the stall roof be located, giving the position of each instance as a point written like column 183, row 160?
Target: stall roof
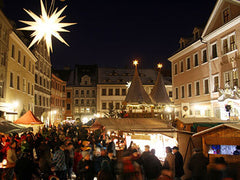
column 234, row 126
column 7, row 127
column 191, row 120
column 28, row 118
column 133, row 124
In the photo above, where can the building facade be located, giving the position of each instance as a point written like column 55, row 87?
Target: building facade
column 113, row 84
column 42, row 82
column 206, row 67
column 20, row 77
column 58, row 99
column 5, row 30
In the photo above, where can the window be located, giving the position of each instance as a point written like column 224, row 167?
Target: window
column 226, row 15
column 196, row 60
column 235, row 78
column 183, row 91
column 35, row 99
column 82, row 102
column 117, row 92
column 188, row 63
column 206, row 86
column 176, row 93
column 68, row 106
column 117, row 106
column 76, row 101
column 87, row 92
column 88, row 102
column 76, row 92
column 104, row 106
column 232, row 43
column 227, row 78
column 19, row 57
column 110, row 105
column 40, row 80
column 197, row 88
column 32, row 90
column 63, row 103
column 181, row 66
column 40, row 100
column 76, row 110
column 124, row 92
column 93, row 93
column 68, row 94
column 225, row 46
column 29, row 88
column 82, row 93
column 93, row 102
column 24, row 61
column 13, row 51
column 18, row 82
column 24, row 85
column 189, row 90
column 110, row 92
column 175, row 69
column 214, row 51
column 11, row 79
column 216, row 83
column 104, row 92
column 204, row 56
column 170, row 94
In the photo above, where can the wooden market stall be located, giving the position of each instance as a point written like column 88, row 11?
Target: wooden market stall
column 221, row 141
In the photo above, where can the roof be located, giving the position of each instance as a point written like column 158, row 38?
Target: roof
column 133, row 124
column 28, row 119
column 7, row 127
column 191, row 120
column 233, row 126
column 136, row 93
column 159, row 94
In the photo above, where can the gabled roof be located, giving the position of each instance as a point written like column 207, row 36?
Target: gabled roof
column 233, row 126
column 136, row 93
column 159, row 94
column 212, row 17
column 28, row 118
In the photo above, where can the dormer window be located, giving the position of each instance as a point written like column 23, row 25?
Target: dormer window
column 226, row 15
column 85, row 80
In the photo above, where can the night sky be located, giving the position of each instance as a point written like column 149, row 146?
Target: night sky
column 114, row 33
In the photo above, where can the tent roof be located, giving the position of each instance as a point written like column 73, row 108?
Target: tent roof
column 233, row 126
column 7, row 127
column 28, row 118
column 136, row 93
column 209, row 120
column 134, row 124
column 159, row 94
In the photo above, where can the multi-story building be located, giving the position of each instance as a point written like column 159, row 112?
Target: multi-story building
column 58, row 99
column 20, row 77
column 42, row 82
column 5, row 30
column 83, row 83
column 209, row 62
column 113, row 84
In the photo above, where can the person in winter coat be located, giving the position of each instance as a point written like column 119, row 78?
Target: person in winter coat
column 198, row 165
column 85, row 167
column 24, row 166
column 105, row 172
column 151, row 164
column 169, row 162
column 179, row 172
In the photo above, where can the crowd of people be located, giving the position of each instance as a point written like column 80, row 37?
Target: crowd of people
column 68, row 152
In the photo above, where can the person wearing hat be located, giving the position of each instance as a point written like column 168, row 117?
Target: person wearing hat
column 85, row 169
column 179, row 172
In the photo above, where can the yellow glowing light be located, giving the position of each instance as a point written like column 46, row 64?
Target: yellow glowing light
column 135, row 62
column 159, row 65
column 45, row 26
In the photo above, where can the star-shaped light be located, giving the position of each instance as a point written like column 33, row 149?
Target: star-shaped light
column 45, row 26
column 135, row 62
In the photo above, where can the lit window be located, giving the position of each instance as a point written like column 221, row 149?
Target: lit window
column 226, row 16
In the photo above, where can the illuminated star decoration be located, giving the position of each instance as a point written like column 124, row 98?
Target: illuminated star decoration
column 45, row 26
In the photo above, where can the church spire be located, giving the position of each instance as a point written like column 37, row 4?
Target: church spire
column 136, row 93
column 159, row 94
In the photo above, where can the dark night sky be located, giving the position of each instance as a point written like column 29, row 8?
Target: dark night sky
column 114, row 33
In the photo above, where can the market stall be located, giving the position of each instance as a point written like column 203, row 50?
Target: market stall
column 7, row 127
column 29, row 120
